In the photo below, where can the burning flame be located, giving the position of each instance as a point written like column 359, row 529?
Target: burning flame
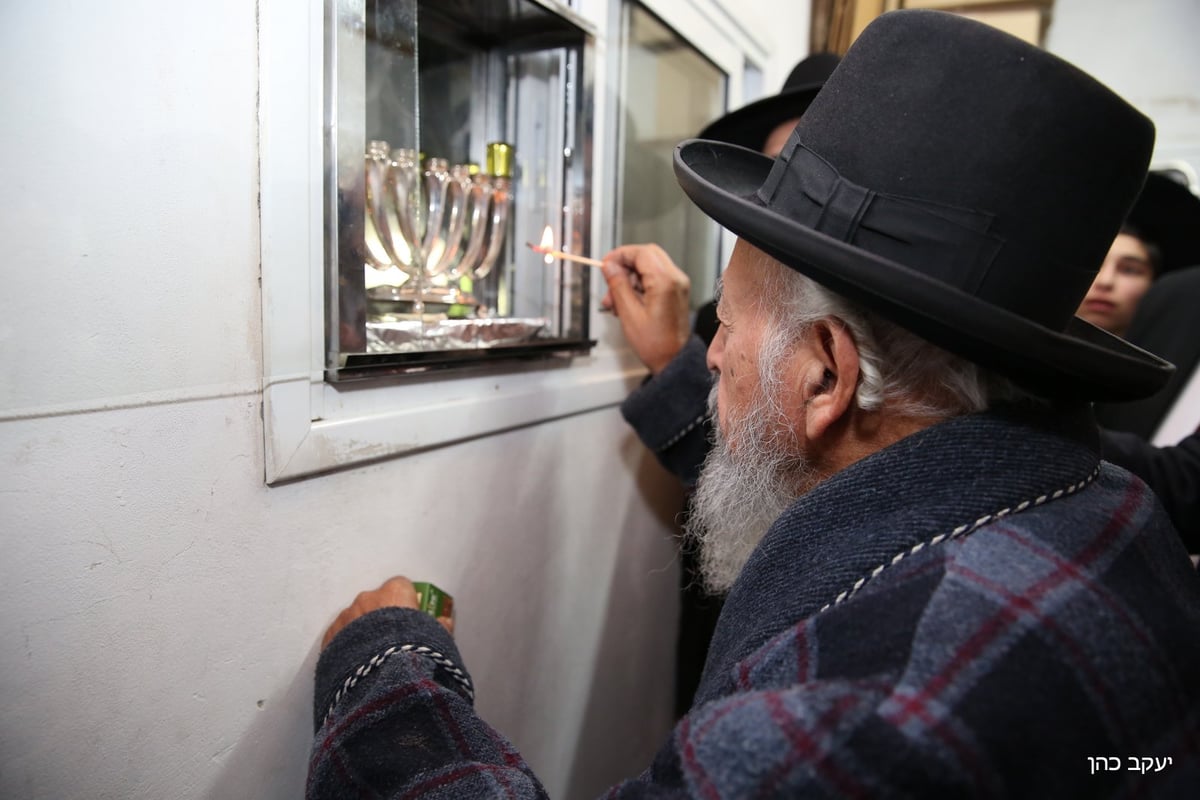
column 547, row 243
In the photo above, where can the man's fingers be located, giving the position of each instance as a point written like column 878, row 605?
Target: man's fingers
column 651, row 265
column 626, row 255
column 395, row 592
column 621, row 290
column 640, row 262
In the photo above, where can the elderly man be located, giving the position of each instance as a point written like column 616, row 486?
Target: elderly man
column 938, row 588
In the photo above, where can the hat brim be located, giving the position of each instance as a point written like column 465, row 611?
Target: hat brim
column 750, row 125
column 1083, row 362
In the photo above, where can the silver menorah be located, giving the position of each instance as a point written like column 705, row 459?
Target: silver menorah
column 435, row 222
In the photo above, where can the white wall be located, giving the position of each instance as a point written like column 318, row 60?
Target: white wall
column 782, row 27
column 1149, row 53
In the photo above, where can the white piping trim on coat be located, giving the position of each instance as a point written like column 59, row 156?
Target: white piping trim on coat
column 960, row 531
column 377, row 660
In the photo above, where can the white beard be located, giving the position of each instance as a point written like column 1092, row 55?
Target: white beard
column 748, row 480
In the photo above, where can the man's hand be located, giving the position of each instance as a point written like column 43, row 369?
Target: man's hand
column 396, row 592
column 649, row 295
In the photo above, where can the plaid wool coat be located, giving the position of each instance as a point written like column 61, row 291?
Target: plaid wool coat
column 984, row 609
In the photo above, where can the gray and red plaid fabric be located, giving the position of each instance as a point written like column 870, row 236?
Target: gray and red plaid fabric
column 983, row 609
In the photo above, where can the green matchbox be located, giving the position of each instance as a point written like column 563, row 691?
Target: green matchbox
column 434, row 601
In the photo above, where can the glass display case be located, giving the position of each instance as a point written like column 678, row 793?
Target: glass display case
column 457, row 131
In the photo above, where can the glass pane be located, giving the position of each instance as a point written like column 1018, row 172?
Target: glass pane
column 453, row 125
column 670, row 93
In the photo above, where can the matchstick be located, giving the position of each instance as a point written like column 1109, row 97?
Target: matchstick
column 559, row 254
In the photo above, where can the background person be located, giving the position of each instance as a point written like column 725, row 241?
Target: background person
column 1161, row 234
column 1166, row 325
column 1164, row 226
column 1163, row 320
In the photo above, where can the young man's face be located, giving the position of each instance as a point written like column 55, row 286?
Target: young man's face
column 1125, row 276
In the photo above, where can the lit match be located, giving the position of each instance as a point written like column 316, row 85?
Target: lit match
column 546, row 249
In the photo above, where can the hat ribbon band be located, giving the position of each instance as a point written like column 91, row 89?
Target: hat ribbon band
column 950, row 244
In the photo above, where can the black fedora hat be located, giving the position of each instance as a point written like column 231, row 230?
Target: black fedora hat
column 750, row 125
column 1167, row 215
column 960, row 182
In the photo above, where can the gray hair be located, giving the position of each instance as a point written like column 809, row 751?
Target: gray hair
column 898, row 369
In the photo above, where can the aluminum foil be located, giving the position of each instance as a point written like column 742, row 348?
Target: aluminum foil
column 407, row 336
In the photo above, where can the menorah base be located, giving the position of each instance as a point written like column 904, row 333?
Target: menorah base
column 400, row 302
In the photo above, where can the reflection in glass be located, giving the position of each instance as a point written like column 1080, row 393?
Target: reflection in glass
column 458, row 184
column 671, row 92
column 382, row 250
column 478, row 203
column 499, row 167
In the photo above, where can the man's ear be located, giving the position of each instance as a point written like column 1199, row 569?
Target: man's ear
column 831, row 377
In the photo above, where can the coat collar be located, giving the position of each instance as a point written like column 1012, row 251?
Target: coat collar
column 938, row 483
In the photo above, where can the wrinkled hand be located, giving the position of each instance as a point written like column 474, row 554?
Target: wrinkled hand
column 649, row 295
column 396, row 592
